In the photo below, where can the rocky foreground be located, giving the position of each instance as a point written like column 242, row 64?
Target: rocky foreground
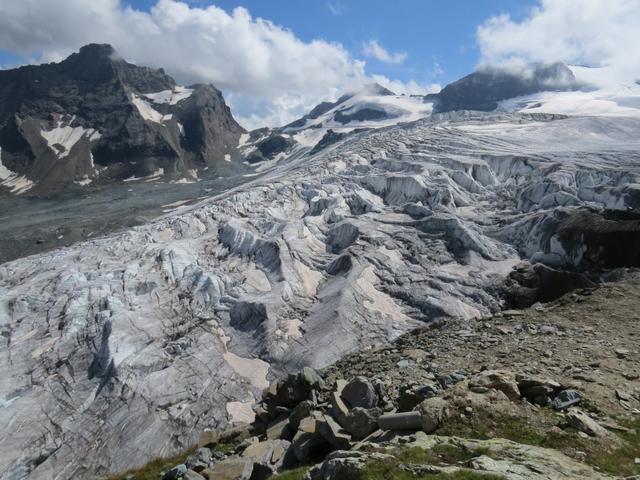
column 552, row 391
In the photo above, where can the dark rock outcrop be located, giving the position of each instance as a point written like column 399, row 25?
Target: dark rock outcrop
column 529, row 284
column 96, row 118
column 269, row 148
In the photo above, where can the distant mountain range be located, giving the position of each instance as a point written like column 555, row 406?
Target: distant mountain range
column 376, row 106
column 95, row 119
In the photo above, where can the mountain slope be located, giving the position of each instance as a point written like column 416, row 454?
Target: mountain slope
column 96, row 118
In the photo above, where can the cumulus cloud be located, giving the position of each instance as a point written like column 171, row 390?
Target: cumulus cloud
column 374, row 50
column 587, row 32
column 336, row 8
column 258, row 64
column 406, row 88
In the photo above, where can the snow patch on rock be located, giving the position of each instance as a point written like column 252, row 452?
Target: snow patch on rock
column 171, row 97
column 147, row 111
column 62, row 138
column 15, row 182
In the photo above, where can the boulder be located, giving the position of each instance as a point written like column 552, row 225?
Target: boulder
column 280, row 428
column 176, row 473
column 411, row 396
column 565, row 399
column 307, row 440
column 360, row 422
column 300, row 411
column 536, row 389
column 199, row 460
column 192, row 475
column 231, row 469
column 333, row 433
column 400, row 421
column 432, row 412
column 338, row 407
column 211, row 438
column 342, row 465
column 295, row 388
column 304, row 445
column 532, row 386
column 208, row 438
column 449, row 380
column 360, row 392
column 584, row 423
column 502, row 380
column 268, row 457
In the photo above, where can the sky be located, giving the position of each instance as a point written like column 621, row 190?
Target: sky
column 276, row 59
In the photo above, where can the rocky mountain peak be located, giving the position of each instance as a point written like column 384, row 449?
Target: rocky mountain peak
column 94, row 117
column 98, row 51
column 100, row 63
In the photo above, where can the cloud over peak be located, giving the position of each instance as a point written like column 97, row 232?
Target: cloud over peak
column 589, row 32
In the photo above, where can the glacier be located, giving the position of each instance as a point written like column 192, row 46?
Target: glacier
column 125, row 348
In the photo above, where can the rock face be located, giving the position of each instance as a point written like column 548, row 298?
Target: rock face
column 96, row 118
column 169, row 328
column 483, row 89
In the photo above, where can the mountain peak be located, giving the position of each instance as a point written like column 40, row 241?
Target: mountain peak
column 377, row 89
column 98, row 51
column 484, row 88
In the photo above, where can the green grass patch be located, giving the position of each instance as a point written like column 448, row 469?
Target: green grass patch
column 226, row 448
column 440, row 455
column 619, row 461
column 389, row 470
column 483, row 426
column 450, row 454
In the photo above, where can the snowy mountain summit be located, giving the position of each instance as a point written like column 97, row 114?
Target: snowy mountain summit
column 371, row 107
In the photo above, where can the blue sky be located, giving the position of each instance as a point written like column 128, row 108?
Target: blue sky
column 273, row 71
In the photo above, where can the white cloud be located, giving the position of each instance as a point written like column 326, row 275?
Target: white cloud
column 336, row 8
column 374, row 50
column 407, row 88
column 592, row 32
column 257, row 63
